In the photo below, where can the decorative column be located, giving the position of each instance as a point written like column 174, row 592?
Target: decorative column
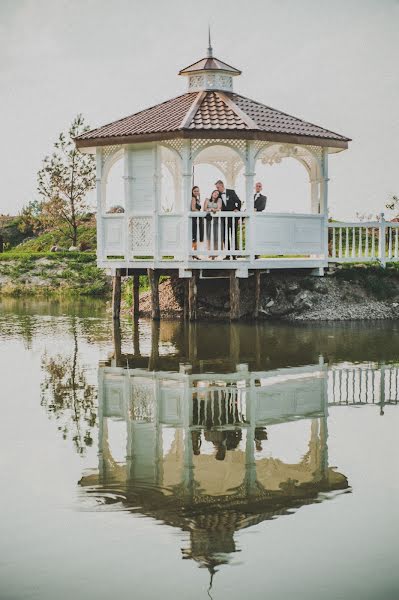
column 99, row 198
column 249, row 175
column 128, row 191
column 157, row 199
column 324, row 199
column 187, row 179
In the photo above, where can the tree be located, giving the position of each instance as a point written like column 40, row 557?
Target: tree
column 64, row 181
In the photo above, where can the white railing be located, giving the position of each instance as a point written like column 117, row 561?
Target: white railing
column 364, row 242
column 218, row 234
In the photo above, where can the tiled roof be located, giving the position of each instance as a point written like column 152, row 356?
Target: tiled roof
column 207, row 111
column 210, row 64
column 270, row 119
column 213, row 113
column 164, row 117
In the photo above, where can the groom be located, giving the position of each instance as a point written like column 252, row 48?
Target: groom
column 231, row 203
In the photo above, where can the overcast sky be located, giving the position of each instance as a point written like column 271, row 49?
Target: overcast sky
column 331, row 62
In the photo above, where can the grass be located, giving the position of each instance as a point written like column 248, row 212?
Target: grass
column 70, row 273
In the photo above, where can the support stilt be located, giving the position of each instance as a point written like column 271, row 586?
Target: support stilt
column 136, row 296
column 234, row 296
column 116, row 295
column 117, row 340
column 154, row 356
column 185, row 305
column 153, row 279
column 257, row 294
column 192, row 298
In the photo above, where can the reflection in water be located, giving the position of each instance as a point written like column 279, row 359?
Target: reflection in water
column 210, row 453
column 67, row 396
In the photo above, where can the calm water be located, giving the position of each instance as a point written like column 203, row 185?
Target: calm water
column 192, row 462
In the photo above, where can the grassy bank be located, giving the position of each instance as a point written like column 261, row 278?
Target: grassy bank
column 48, row 273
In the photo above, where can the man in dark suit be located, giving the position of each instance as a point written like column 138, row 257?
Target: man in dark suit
column 232, row 203
column 259, row 198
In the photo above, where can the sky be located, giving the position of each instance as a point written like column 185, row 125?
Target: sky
column 331, row 62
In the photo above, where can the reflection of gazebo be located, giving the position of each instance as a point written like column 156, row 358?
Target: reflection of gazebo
column 209, row 124
column 194, row 457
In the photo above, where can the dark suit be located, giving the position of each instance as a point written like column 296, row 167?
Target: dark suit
column 232, row 203
column 260, row 202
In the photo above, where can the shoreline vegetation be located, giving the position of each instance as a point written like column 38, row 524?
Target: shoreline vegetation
column 349, row 292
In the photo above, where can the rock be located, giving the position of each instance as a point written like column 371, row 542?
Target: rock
column 293, row 287
column 395, row 304
column 73, row 249
column 270, row 303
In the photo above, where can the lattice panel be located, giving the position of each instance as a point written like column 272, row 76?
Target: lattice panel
column 108, row 151
column 175, row 144
column 196, row 81
column 142, row 402
column 239, row 145
column 141, row 235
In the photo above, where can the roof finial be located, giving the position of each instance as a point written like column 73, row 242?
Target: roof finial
column 210, row 49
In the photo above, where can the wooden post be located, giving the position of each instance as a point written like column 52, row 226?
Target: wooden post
column 117, row 340
column 136, row 296
column 116, row 295
column 154, row 356
column 153, row 279
column 136, row 339
column 185, row 305
column 192, row 298
column 257, row 294
column 234, row 296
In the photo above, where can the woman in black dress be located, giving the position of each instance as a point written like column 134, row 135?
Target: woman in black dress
column 196, row 223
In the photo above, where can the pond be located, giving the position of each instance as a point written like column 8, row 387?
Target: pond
column 171, row 460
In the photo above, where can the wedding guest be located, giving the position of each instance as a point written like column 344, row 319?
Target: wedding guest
column 212, row 206
column 259, row 198
column 197, row 223
column 232, row 203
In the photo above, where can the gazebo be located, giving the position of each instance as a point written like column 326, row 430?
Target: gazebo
column 209, row 124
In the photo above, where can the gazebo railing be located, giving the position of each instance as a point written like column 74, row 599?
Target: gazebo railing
column 364, row 242
column 221, row 234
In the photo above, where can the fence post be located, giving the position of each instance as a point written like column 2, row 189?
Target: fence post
column 381, row 241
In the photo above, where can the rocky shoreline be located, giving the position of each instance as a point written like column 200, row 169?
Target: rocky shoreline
column 348, row 294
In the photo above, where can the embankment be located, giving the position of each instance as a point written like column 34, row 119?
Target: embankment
column 45, row 274
column 349, row 293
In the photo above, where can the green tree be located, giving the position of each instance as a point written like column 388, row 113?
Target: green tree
column 64, row 181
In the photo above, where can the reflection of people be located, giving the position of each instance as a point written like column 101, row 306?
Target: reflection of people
column 259, row 198
column 259, row 436
column 196, row 442
column 197, row 223
column 231, row 203
column 212, row 206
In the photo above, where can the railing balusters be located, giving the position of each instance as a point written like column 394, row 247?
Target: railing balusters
column 396, row 242
column 366, row 245
column 353, row 242
column 389, row 242
column 334, row 252
column 373, row 243
column 340, row 242
column 360, row 242
column 347, row 243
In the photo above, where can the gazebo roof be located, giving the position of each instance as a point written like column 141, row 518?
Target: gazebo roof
column 210, row 63
column 211, row 114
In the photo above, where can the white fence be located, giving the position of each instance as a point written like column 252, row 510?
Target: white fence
column 364, row 242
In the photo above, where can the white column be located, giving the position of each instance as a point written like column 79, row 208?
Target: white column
column 324, row 198
column 249, row 175
column 100, row 189
column 157, row 200
column 187, row 180
column 128, row 193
